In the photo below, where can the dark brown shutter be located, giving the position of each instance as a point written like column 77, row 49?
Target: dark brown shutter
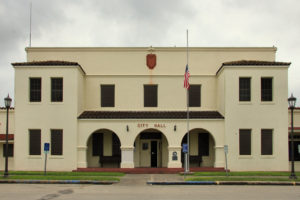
column 245, row 142
column 34, row 142
column 266, row 142
column 194, row 96
column 150, row 95
column 97, row 144
column 35, row 89
column 116, row 151
column 203, row 142
column 56, row 142
column 107, row 95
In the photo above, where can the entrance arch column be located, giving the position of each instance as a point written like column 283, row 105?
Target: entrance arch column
column 220, row 156
column 174, row 157
column 127, row 157
column 81, row 157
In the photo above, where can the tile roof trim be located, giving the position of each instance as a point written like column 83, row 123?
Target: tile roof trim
column 3, row 136
column 49, row 63
column 149, row 115
column 252, row 63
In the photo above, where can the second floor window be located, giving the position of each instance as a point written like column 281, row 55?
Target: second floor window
column 56, row 89
column 150, row 95
column 195, row 96
column 266, row 89
column 35, row 89
column 107, row 95
column 245, row 89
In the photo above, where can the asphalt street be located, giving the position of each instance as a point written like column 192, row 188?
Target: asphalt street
column 144, row 192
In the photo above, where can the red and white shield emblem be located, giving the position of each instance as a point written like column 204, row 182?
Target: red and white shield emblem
column 151, row 61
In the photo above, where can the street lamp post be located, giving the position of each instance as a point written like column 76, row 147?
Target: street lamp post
column 292, row 103
column 7, row 102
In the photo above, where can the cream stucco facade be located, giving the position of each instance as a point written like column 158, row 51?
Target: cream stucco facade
column 151, row 136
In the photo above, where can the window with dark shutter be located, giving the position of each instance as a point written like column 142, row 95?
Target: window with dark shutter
column 150, row 95
column 35, row 89
column 56, row 142
column 266, row 142
column 195, row 96
column 116, row 151
column 107, row 95
column 266, row 89
column 245, row 89
column 97, row 144
column 203, row 142
column 34, row 142
column 245, row 142
column 56, row 89
column 10, row 150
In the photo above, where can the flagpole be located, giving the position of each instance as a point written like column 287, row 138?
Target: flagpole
column 188, row 113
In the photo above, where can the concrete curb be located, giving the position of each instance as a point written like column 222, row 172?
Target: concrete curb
column 225, row 183
column 58, row 182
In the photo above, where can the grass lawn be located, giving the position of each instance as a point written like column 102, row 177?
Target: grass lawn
column 240, row 176
column 92, row 176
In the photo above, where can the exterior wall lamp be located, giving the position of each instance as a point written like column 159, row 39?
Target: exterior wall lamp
column 7, row 102
column 127, row 128
column 292, row 104
column 175, row 128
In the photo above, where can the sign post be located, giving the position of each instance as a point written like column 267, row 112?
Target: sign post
column 185, row 151
column 226, row 152
column 46, row 151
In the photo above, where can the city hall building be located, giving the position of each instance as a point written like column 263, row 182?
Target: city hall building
column 127, row 108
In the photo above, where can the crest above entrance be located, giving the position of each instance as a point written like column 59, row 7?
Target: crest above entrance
column 151, row 59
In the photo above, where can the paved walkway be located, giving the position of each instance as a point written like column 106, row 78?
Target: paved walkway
column 141, row 179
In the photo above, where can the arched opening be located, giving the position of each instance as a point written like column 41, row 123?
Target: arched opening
column 103, row 149
column 202, row 151
column 151, row 149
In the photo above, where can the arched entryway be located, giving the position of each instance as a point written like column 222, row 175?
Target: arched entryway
column 202, row 151
column 103, row 149
column 151, row 149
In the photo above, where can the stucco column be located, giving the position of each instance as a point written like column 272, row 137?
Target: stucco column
column 174, row 157
column 219, row 156
column 127, row 157
column 81, row 157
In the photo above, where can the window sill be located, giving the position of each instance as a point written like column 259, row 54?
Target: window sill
column 35, row 103
column 245, row 103
column 267, row 103
column 245, row 157
column 56, row 157
column 56, row 103
column 34, row 157
column 267, row 156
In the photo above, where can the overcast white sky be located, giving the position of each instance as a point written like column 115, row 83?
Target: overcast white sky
column 144, row 23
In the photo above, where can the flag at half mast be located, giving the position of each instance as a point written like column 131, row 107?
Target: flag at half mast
column 186, row 78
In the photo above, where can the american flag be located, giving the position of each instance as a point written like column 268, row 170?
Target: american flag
column 186, row 78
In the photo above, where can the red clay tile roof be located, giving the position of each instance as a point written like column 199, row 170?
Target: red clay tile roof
column 149, row 115
column 48, row 63
column 3, row 108
column 3, row 136
column 251, row 63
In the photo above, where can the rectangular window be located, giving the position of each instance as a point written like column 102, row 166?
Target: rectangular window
column 56, row 142
column 266, row 89
column 195, row 96
column 245, row 89
column 266, row 142
column 107, row 96
column 245, row 141
column 35, row 89
column 56, row 89
column 150, row 95
column 34, row 142
column 10, row 150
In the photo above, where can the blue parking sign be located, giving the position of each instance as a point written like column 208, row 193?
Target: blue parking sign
column 46, row 147
column 185, row 148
